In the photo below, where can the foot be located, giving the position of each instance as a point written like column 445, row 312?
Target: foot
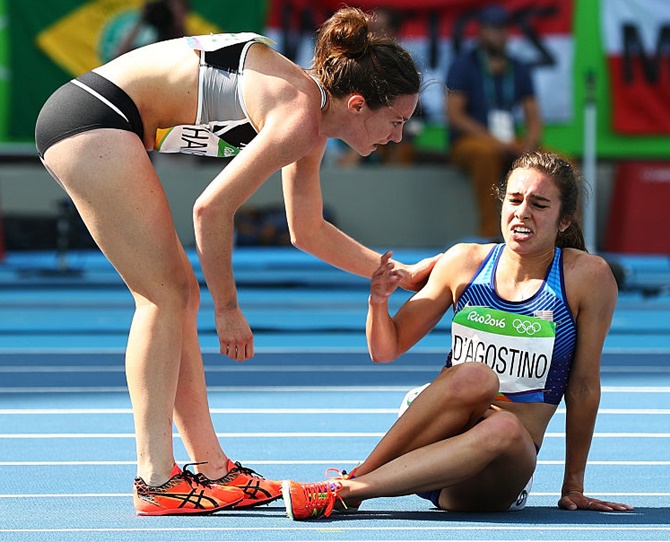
column 257, row 490
column 311, row 500
column 341, row 505
column 184, row 493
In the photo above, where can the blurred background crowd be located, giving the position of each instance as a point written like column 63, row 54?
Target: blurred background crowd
column 586, row 78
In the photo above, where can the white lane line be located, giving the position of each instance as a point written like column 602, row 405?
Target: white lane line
column 329, row 462
column 287, row 389
column 450, row 527
column 287, row 434
column 283, row 411
column 125, row 495
column 65, row 369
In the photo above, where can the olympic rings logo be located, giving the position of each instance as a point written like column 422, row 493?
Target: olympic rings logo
column 524, row 326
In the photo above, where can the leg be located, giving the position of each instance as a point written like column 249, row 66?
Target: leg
column 191, row 413
column 111, row 181
column 484, row 164
column 449, row 439
column 453, row 403
column 483, row 469
column 497, row 486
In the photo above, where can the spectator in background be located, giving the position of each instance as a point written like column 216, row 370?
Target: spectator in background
column 486, row 88
column 159, row 20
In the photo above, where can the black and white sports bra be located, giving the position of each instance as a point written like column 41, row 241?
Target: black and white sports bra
column 222, row 127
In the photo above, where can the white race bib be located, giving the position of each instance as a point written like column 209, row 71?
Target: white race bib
column 518, row 348
column 198, row 140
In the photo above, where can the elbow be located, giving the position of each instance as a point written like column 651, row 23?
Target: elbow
column 384, row 355
column 297, row 241
column 583, row 395
column 377, row 358
column 304, row 237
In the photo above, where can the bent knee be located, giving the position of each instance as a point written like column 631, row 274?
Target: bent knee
column 180, row 293
column 505, row 433
column 478, row 380
column 470, row 383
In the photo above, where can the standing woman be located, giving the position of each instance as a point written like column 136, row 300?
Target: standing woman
column 217, row 95
column 530, row 319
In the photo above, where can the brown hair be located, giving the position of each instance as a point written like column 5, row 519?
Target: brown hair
column 348, row 58
column 569, row 182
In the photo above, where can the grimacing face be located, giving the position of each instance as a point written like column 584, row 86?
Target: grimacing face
column 531, row 210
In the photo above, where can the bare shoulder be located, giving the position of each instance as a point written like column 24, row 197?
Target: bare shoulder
column 279, row 93
column 462, row 259
column 468, row 250
column 585, row 267
column 455, row 268
column 588, row 277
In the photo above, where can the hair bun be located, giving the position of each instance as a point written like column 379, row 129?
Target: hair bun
column 349, row 32
column 349, row 58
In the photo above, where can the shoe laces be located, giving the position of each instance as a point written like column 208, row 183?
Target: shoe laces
column 335, row 474
column 232, row 474
column 193, row 477
column 239, row 469
column 322, row 496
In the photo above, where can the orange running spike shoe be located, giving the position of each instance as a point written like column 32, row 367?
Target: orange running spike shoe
column 310, row 501
column 334, row 474
column 183, row 493
column 257, row 490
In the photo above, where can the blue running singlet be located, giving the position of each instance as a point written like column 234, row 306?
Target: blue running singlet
column 480, row 292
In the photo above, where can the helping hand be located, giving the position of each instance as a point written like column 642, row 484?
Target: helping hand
column 385, row 280
column 414, row 277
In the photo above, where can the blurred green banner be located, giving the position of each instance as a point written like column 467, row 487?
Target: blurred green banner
column 4, row 71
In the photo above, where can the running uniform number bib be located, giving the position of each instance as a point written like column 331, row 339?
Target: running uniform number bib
column 517, row 347
column 198, row 140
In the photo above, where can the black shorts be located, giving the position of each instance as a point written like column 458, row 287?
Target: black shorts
column 86, row 103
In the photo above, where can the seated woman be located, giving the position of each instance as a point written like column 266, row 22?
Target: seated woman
column 534, row 311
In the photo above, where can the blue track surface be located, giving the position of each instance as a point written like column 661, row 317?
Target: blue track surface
column 309, row 400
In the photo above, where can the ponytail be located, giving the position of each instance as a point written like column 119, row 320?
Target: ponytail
column 571, row 237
